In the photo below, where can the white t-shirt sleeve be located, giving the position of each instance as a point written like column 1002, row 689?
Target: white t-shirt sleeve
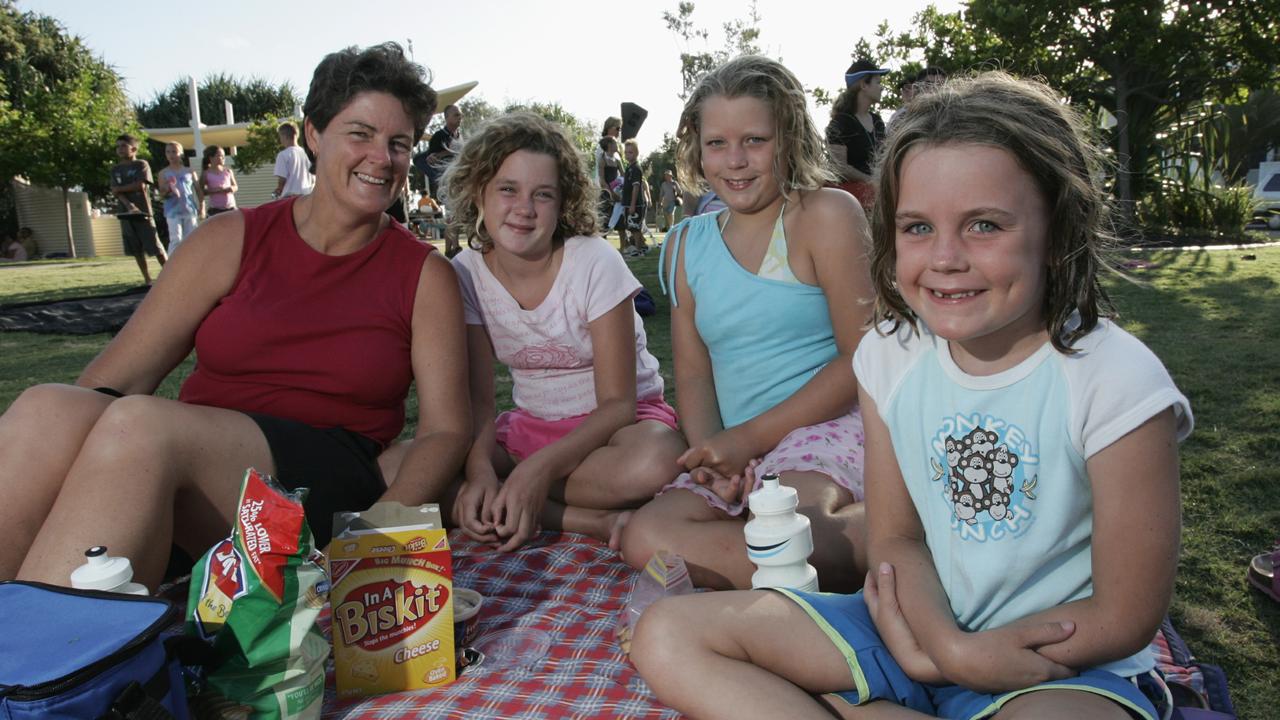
column 881, row 361
column 1120, row 384
column 282, row 165
column 603, row 277
column 464, row 264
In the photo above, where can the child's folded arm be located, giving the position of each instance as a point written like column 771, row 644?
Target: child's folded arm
column 990, row 661
column 1136, row 523
column 895, row 538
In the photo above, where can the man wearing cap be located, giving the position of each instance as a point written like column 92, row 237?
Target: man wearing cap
column 855, row 132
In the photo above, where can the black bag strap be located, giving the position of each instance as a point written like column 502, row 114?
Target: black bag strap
column 145, row 701
column 139, row 702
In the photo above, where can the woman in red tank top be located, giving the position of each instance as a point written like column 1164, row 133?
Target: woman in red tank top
column 310, row 318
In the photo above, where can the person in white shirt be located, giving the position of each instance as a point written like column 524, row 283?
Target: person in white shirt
column 293, row 167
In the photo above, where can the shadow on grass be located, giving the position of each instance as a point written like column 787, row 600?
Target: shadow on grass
column 1211, row 318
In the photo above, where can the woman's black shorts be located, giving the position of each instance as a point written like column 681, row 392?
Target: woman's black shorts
column 339, row 466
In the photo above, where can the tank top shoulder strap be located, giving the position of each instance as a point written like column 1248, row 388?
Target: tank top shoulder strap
column 775, row 265
column 671, row 246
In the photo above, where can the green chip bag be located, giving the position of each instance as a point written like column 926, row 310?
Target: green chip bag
column 255, row 596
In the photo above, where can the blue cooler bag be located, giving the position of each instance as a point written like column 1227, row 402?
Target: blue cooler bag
column 86, row 655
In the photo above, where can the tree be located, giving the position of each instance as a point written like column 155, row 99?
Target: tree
column 581, row 132
column 61, row 107
column 1146, row 62
column 253, row 99
column 740, row 37
column 661, row 160
column 262, row 145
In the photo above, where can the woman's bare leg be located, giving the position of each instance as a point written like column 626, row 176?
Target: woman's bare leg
column 151, row 471
column 41, row 433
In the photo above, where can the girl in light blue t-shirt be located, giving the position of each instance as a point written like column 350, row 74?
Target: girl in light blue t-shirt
column 1022, row 462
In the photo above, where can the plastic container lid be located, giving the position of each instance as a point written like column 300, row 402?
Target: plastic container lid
column 466, row 603
column 772, row 497
column 513, row 648
column 101, row 571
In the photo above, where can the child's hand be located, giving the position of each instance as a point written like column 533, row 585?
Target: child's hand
column 733, row 490
column 474, row 503
column 881, row 594
column 518, row 505
column 1005, row 658
column 726, row 452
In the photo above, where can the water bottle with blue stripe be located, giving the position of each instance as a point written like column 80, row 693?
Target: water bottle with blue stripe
column 779, row 539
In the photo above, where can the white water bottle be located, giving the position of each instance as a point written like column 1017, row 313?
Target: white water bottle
column 779, row 539
column 103, row 572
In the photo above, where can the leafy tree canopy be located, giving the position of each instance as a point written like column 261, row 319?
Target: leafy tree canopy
column 1146, row 62
column 61, row 107
column 252, row 99
column 741, row 37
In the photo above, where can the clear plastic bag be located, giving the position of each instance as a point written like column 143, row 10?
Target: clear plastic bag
column 664, row 575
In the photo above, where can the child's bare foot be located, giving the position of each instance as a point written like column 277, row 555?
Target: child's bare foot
column 599, row 524
column 620, row 521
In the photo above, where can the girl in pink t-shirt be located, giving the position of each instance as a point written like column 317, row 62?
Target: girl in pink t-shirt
column 591, row 436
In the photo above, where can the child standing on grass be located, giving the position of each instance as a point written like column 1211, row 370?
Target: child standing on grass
column 1022, row 463
column 635, row 196
column 217, row 181
column 548, row 297
column 183, row 197
column 769, row 298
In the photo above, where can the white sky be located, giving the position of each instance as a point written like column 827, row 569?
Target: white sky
column 589, row 56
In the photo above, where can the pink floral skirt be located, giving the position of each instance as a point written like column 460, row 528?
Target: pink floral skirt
column 833, row 448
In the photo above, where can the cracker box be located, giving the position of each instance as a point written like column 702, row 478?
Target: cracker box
column 392, row 600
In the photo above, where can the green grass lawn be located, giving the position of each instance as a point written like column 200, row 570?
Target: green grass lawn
column 1211, row 316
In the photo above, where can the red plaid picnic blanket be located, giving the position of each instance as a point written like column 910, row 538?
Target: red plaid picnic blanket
column 569, row 586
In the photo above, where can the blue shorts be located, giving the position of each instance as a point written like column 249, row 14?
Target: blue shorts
column 876, row 675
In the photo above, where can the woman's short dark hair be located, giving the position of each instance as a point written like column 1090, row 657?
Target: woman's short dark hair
column 342, row 75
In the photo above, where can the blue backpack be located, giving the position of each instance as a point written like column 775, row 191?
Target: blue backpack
column 86, row 654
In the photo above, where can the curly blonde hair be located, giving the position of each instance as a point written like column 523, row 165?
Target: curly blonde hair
column 486, row 150
column 800, row 158
column 1051, row 142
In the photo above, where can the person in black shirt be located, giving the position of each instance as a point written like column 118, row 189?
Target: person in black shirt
column 443, row 147
column 855, row 131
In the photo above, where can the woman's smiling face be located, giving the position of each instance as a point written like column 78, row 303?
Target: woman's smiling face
column 362, row 157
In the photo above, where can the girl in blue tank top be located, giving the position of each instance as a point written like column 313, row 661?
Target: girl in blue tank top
column 769, row 297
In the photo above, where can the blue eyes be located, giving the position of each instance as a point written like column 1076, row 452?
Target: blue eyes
column 981, row 227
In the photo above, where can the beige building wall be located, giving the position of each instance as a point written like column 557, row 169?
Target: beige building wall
column 42, row 210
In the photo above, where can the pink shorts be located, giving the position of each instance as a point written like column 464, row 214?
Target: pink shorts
column 833, row 448
column 522, row 434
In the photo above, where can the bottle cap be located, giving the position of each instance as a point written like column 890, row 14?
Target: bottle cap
column 772, row 497
column 101, row 571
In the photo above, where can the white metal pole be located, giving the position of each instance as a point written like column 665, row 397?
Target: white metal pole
column 193, row 96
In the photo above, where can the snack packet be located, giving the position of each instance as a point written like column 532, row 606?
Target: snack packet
column 255, row 596
column 664, row 575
